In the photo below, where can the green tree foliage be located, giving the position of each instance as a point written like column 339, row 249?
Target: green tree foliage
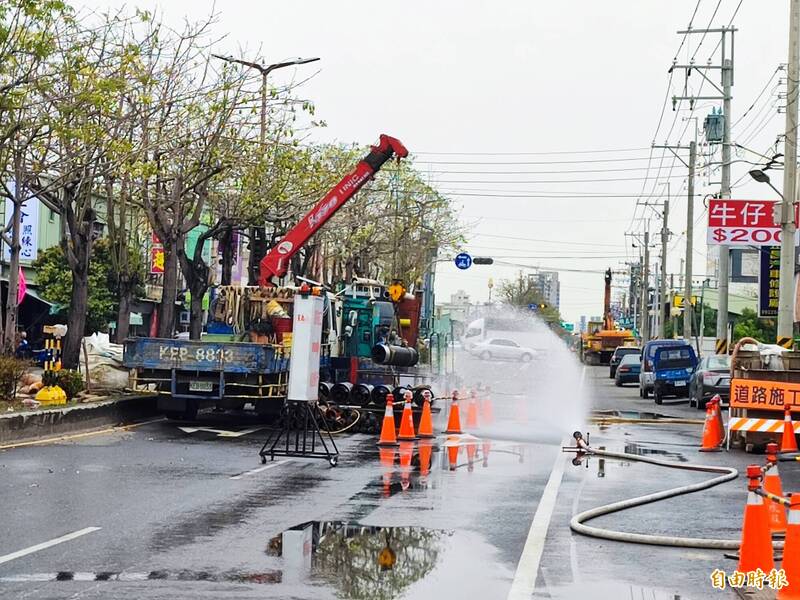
column 55, row 280
column 748, row 324
column 521, row 292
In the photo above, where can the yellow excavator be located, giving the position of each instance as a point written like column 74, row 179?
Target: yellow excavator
column 602, row 338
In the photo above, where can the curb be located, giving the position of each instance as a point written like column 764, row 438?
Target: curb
column 38, row 424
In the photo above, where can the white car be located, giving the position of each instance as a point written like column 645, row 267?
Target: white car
column 503, row 348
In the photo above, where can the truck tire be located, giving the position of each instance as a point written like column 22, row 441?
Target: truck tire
column 657, row 396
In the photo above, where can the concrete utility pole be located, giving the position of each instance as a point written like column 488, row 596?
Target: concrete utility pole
column 645, row 310
column 786, row 291
column 725, row 192
column 687, row 277
column 726, row 72
column 662, row 295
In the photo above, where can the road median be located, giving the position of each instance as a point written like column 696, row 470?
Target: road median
column 27, row 426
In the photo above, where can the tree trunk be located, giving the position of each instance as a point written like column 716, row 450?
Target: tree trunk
column 124, row 310
column 226, row 243
column 78, row 307
column 196, row 307
column 166, row 313
column 12, row 306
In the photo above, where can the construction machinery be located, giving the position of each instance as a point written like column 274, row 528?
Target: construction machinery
column 602, row 337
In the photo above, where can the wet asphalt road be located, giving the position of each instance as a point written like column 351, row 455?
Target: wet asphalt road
column 194, row 515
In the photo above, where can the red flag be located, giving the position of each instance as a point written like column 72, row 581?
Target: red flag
column 22, row 287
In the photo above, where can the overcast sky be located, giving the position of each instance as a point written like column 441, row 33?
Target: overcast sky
column 524, row 81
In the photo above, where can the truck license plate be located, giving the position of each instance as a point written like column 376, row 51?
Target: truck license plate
column 200, row 386
column 680, row 383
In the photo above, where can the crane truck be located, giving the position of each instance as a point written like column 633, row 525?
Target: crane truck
column 193, row 374
column 602, row 338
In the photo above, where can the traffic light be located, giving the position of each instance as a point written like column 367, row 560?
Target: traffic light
column 542, row 306
column 482, row 260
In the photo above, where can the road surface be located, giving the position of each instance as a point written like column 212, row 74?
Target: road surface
column 163, row 512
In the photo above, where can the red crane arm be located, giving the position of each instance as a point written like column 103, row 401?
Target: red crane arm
column 276, row 261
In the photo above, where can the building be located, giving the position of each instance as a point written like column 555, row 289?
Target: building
column 547, row 285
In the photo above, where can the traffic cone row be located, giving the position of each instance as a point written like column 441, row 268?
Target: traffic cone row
column 406, row 433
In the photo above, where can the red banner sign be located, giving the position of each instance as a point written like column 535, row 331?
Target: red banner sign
column 743, row 222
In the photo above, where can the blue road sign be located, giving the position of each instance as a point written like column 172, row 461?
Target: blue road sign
column 463, row 261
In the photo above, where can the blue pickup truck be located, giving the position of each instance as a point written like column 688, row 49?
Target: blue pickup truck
column 190, row 375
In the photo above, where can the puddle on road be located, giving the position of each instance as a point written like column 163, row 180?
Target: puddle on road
column 358, row 561
column 157, row 575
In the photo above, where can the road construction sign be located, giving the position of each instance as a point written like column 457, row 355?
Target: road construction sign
column 756, row 394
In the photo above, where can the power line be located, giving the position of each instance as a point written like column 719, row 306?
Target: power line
column 538, row 162
column 599, row 151
column 526, row 239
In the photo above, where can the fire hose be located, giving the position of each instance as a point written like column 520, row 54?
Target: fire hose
column 577, row 523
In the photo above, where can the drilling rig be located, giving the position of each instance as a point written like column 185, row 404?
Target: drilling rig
column 602, row 337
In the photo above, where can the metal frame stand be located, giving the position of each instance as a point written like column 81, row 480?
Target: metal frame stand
column 302, row 446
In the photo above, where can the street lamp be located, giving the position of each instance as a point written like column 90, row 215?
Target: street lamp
column 786, row 287
column 265, row 70
column 761, row 176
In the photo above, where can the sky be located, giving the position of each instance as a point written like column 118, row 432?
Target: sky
column 536, row 118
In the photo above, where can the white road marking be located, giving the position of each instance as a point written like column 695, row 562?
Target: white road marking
column 524, row 583
column 221, row 432
column 259, row 469
column 54, row 542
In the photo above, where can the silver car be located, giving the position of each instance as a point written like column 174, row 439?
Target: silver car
column 504, row 349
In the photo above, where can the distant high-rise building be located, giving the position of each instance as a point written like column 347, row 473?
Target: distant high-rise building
column 547, row 285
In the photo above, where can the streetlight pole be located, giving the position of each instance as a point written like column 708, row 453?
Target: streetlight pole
column 265, row 70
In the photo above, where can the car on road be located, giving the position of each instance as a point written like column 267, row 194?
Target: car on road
column 503, row 349
column 646, row 376
column 712, row 376
column 619, row 352
column 628, row 370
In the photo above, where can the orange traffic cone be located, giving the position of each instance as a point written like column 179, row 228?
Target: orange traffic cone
column 788, row 441
column 472, row 411
column 755, row 551
column 406, row 452
column 772, row 484
column 454, row 420
column 487, row 414
column 387, row 462
column 487, row 447
column 719, row 427
column 426, row 420
column 425, row 452
column 711, row 439
column 388, row 437
column 407, row 420
column 452, row 456
column 791, row 552
column 472, row 450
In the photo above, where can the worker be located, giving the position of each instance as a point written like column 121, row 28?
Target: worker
column 23, row 347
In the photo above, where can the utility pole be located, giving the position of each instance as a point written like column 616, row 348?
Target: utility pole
column 687, row 266
column 786, row 288
column 645, row 310
column 662, row 329
column 687, row 277
column 726, row 72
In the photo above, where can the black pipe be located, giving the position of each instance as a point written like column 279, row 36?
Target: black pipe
column 398, row 356
column 379, row 395
column 325, row 390
column 341, row 392
column 362, row 394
